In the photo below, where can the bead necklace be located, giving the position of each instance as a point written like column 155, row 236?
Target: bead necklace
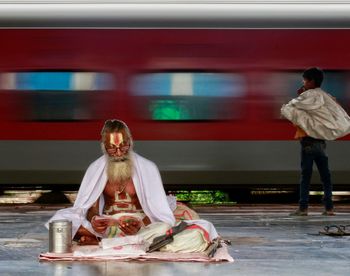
column 121, row 188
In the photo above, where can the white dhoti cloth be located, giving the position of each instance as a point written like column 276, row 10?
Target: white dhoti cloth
column 192, row 239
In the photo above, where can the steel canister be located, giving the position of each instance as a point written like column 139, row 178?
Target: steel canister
column 60, row 236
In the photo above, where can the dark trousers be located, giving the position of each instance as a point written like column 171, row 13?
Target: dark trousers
column 313, row 150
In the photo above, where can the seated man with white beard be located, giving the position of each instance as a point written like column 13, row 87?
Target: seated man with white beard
column 122, row 194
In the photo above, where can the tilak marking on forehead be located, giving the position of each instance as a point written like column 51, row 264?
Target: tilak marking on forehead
column 116, row 138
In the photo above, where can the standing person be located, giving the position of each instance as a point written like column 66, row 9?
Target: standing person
column 317, row 117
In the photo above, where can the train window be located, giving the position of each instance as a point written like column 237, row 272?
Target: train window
column 58, row 95
column 186, row 96
column 283, row 86
column 55, row 81
column 335, row 83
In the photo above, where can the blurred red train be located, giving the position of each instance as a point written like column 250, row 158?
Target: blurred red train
column 201, row 94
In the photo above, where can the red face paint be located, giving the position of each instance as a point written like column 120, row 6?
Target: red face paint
column 115, row 144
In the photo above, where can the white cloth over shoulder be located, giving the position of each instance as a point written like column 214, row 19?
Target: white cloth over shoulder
column 149, row 189
column 318, row 114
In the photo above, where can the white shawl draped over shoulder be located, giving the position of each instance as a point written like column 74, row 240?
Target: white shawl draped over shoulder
column 148, row 186
column 149, row 189
column 318, row 114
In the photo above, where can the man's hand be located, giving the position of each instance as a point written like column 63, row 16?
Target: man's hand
column 129, row 225
column 100, row 224
column 301, row 90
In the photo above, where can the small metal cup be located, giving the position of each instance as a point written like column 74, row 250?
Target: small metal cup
column 60, row 236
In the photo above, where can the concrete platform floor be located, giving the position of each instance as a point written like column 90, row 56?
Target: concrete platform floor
column 265, row 241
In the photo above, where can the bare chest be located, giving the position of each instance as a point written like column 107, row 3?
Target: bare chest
column 121, row 197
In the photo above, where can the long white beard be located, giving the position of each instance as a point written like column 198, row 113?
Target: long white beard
column 119, row 171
